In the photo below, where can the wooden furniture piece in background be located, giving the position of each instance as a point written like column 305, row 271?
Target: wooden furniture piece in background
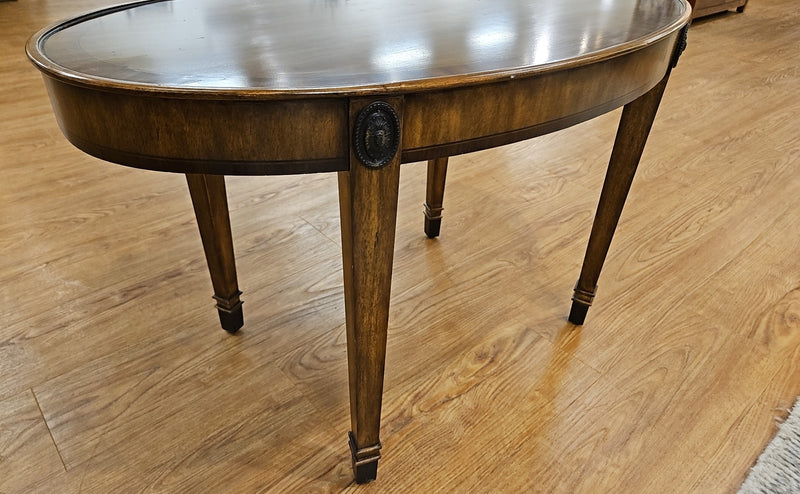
column 209, row 88
column 701, row 8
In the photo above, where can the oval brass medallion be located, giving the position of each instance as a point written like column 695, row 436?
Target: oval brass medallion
column 377, row 134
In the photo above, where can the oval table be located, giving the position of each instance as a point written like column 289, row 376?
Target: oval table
column 233, row 87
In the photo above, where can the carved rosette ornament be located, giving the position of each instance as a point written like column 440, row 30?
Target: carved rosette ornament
column 377, row 134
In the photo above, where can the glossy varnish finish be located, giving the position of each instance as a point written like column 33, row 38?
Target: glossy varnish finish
column 182, row 103
column 211, row 211
column 357, row 46
column 368, row 213
column 634, row 127
column 112, row 380
column 434, row 196
column 490, row 73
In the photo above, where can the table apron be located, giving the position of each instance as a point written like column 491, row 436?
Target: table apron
column 275, row 136
column 481, row 117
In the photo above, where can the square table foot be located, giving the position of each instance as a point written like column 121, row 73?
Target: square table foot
column 577, row 313
column 231, row 320
column 365, row 461
column 432, row 227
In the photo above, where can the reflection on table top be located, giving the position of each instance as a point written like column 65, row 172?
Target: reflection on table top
column 336, row 45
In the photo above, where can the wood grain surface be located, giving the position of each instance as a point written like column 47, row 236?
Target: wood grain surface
column 238, row 90
column 303, row 47
column 114, row 375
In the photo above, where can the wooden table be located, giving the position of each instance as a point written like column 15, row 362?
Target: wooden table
column 232, row 87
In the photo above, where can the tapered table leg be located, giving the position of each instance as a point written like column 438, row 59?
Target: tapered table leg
column 634, row 127
column 434, row 196
column 368, row 207
column 211, row 210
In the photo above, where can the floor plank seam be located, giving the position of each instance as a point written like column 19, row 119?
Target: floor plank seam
column 49, row 431
column 312, row 225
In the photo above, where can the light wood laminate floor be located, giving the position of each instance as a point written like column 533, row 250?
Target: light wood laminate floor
column 115, row 376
